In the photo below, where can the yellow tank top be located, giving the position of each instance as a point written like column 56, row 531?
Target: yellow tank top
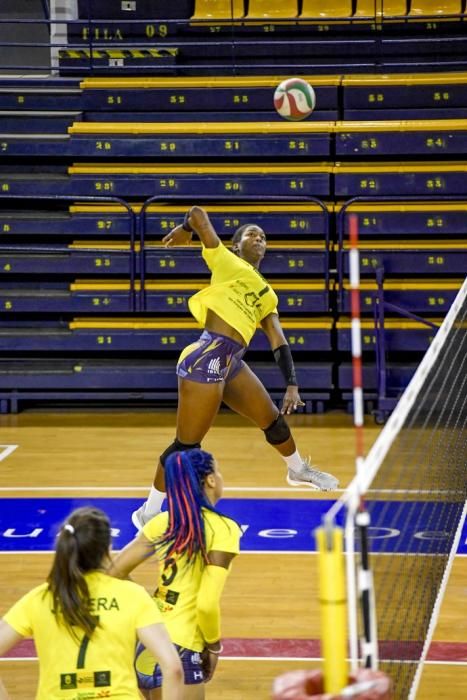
column 178, row 585
column 238, row 293
column 96, row 668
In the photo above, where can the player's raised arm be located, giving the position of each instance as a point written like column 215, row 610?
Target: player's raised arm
column 196, row 221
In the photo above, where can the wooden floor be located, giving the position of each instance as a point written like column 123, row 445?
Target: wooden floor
column 268, row 596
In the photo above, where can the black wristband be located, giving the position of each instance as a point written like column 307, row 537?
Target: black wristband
column 283, row 357
column 186, row 226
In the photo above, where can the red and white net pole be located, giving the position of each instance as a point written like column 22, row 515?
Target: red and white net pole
column 356, row 338
column 368, row 642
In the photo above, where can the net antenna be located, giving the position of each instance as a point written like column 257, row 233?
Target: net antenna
column 413, row 485
column 357, row 515
column 369, row 643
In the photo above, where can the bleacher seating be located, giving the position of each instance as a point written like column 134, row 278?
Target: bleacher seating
column 424, row 242
column 88, row 285
column 63, row 94
column 420, row 297
column 398, row 376
column 271, row 10
column 345, row 36
column 380, row 8
column 129, row 335
column 435, row 7
column 221, row 97
column 245, row 139
column 115, row 296
column 202, row 139
column 402, row 178
column 426, row 219
column 298, row 219
column 217, row 139
column 209, row 10
column 142, row 9
column 413, row 96
column 131, row 381
column 233, row 180
column 402, row 336
column 39, row 276
column 325, row 9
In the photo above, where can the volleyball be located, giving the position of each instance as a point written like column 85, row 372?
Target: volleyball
column 294, row 99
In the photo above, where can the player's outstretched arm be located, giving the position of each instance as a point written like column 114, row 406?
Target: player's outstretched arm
column 3, row 692
column 132, row 555
column 8, row 639
column 271, row 325
column 196, row 221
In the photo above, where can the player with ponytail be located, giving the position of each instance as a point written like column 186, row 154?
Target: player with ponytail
column 194, row 545
column 82, row 545
column 85, row 623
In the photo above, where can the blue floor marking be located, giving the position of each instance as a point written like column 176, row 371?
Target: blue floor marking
column 31, row 524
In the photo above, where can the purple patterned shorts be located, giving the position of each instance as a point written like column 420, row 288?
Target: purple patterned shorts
column 150, row 676
column 213, row 358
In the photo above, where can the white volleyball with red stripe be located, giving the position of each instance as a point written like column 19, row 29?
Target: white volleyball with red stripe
column 294, row 99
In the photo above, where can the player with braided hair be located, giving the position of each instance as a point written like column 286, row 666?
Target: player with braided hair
column 195, row 545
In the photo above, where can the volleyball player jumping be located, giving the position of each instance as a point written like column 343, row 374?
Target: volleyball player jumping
column 212, row 370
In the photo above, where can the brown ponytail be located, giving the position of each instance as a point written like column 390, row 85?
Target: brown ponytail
column 82, row 544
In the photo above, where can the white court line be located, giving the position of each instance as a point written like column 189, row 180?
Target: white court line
column 443, row 663
column 6, row 450
column 250, row 551
column 317, row 658
column 244, row 551
column 246, row 489
column 298, row 659
column 252, row 489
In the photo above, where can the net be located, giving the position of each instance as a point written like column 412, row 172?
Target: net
column 415, row 487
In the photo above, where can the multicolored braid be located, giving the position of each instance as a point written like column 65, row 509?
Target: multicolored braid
column 185, row 474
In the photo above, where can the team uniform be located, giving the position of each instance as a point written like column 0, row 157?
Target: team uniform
column 82, row 668
column 239, row 295
column 177, row 593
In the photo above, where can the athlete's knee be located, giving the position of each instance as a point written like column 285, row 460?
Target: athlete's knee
column 278, row 431
column 178, row 446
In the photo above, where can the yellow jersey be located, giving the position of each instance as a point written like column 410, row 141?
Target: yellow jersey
column 179, row 583
column 82, row 668
column 238, row 293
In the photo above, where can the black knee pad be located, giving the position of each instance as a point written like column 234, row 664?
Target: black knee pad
column 278, row 431
column 177, row 446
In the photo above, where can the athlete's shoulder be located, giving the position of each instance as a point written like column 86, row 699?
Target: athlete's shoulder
column 39, row 590
column 29, row 607
column 221, row 255
column 37, row 593
column 221, row 524
column 105, row 585
column 156, row 527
